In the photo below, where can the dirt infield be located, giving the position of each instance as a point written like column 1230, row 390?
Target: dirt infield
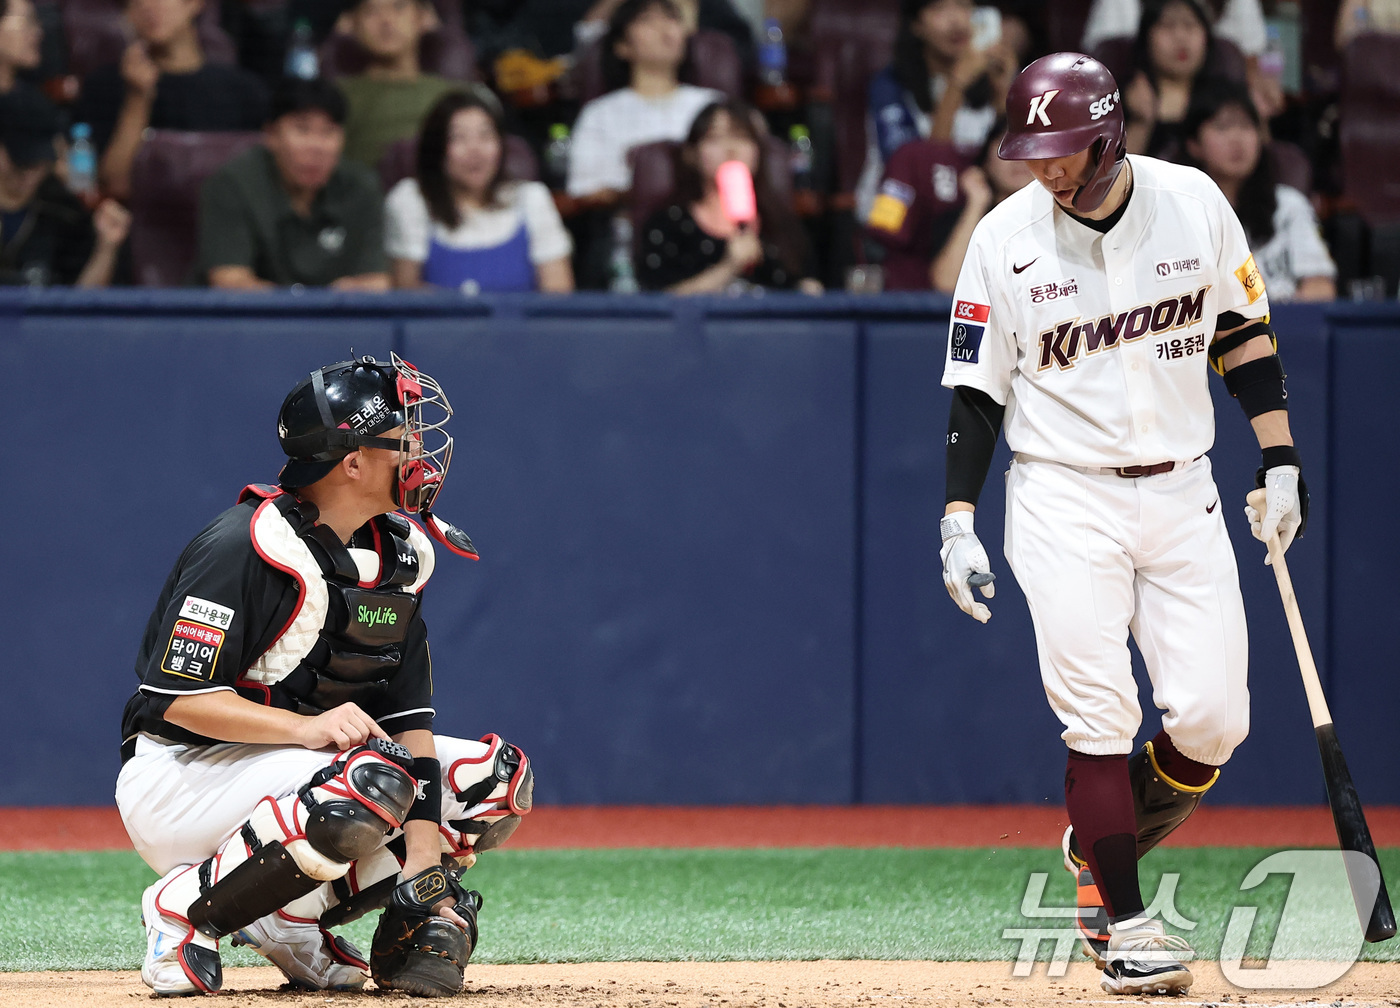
column 732, row 985
column 787, row 826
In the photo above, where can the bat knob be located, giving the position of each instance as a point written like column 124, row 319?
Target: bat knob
column 981, row 579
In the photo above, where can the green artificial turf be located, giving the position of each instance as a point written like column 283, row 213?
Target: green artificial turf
column 81, row 911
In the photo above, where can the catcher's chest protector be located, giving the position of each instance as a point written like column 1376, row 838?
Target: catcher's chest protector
column 345, row 641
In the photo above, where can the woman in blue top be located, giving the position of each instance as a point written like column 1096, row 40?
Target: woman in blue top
column 461, row 223
column 944, row 84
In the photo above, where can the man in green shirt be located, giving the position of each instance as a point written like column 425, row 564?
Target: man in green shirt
column 388, row 101
column 290, row 210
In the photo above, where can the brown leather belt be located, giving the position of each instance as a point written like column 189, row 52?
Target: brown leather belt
column 1134, row 472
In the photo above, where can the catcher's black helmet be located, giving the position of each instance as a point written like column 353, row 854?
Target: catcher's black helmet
column 330, row 413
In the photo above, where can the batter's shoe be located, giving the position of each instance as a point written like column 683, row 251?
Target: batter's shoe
column 179, row 960
column 1144, row 959
column 1090, row 919
column 309, row 957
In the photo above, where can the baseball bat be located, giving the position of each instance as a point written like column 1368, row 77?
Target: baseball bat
column 1347, row 814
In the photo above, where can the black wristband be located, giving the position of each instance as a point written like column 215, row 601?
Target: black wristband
column 428, row 805
column 1282, row 455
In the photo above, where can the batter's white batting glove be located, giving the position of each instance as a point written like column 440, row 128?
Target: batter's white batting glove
column 1283, row 509
column 965, row 565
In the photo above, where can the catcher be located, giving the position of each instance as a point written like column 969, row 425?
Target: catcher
column 279, row 767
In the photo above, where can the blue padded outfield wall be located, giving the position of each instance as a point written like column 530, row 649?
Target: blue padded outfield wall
column 708, row 532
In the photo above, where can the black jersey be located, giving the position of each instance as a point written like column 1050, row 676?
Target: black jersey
column 221, row 609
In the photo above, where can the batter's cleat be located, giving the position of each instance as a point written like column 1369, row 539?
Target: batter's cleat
column 179, row 960
column 1144, row 959
column 1090, row 919
column 310, row 958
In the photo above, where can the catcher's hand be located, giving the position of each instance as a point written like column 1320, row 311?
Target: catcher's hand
column 417, row 951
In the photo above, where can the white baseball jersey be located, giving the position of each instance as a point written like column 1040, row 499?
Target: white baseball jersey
column 1096, row 343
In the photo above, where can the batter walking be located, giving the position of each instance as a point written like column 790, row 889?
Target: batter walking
column 279, row 766
column 1088, row 313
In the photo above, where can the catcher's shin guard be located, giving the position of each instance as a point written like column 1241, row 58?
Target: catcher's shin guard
column 416, row 951
column 1159, row 803
column 290, row 845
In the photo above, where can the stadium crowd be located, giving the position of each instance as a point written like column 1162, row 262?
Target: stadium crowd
column 554, row 145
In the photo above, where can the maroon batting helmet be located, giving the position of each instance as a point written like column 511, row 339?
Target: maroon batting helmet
column 1060, row 105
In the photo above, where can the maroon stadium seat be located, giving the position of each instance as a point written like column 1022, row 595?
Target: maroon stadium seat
column 399, row 160
column 98, row 34
column 446, row 51
column 1292, row 165
column 714, row 63
column 170, row 168
column 852, row 41
column 1370, row 127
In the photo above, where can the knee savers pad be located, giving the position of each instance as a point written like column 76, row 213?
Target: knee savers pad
column 353, row 804
column 501, row 775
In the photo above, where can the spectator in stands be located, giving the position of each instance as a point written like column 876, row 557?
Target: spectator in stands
column 715, row 15
column 1356, row 17
column 642, row 56
column 1172, row 50
column 20, row 35
column 388, row 101
column 291, row 211
column 941, row 86
column 462, row 223
column 1240, row 21
column 163, row 82
column 1225, row 138
column 47, row 236
column 691, row 247
column 929, row 201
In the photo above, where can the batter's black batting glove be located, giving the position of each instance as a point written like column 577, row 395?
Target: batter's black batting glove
column 417, row 951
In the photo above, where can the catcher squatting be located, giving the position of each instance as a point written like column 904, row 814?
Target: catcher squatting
column 280, row 770
column 1085, row 314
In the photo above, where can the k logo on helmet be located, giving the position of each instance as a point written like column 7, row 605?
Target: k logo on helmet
column 1038, row 106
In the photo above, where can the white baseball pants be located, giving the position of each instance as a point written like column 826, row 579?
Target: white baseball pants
column 1099, row 556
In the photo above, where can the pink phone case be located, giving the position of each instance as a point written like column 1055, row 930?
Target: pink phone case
column 735, row 185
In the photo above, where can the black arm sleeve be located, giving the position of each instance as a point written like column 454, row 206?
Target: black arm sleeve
column 973, row 424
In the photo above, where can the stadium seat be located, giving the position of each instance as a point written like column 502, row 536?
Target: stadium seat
column 1292, row 165
column 398, row 161
column 714, row 63
column 446, row 51
column 98, row 33
column 170, row 168
column 654, row 177
column 1370, row 127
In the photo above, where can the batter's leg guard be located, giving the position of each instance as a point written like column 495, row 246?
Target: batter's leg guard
column 286, row 850
column 1160, row 804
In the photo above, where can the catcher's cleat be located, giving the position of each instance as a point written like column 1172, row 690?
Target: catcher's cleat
column 1090, row 919
column 1144, row 959
column 178, row 959
column 308, row 956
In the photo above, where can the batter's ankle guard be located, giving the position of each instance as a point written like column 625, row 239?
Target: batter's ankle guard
column 1161, row 803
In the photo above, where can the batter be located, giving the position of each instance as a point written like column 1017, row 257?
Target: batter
column 279, row 766
column 1088, row 311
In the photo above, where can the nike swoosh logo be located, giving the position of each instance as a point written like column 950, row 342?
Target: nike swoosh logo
column 1212, row 507
column 1019, row 269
